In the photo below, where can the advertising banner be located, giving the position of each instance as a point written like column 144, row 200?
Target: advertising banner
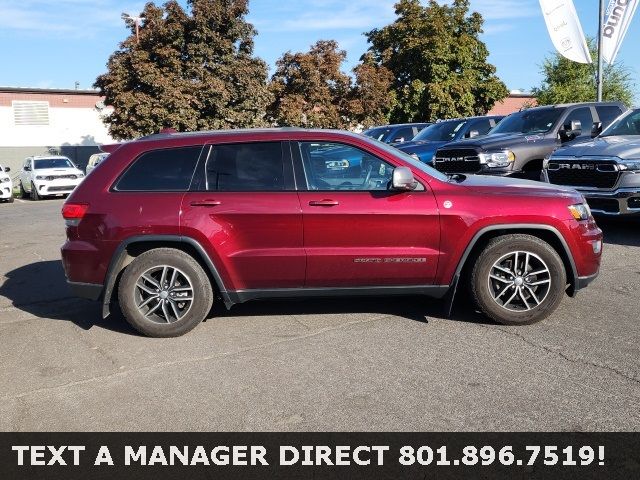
column 617, row 18
column 565, row 29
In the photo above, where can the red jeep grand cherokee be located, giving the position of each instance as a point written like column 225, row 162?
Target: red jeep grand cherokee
column 169, row 222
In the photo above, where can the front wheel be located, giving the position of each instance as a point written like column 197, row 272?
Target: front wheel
column 518, row 279
column 34, row 193
column 165, row 293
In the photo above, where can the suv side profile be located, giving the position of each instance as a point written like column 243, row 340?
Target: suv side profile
column 171, row 222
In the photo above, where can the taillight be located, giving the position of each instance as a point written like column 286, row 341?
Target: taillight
column 73, row 213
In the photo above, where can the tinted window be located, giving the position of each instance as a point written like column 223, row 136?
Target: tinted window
column 403, row 134
column 538, row 120
column 378, row 133
column 335, row 166
column 442, row 131
column 481, row 126
column 583, row 115
column 52, row 163
column 607, row 114
column 161, row 170
column 246, row 167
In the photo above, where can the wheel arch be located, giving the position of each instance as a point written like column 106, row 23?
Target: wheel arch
column 548, row 233
column 132, row 247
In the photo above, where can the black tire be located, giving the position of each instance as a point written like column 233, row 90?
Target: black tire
column 155, row 325
column 35, row 196
column 542, row 293
column 23, row 192
column 10, row 199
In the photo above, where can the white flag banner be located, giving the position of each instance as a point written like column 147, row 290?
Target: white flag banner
column 617, row 18
column 565, row 29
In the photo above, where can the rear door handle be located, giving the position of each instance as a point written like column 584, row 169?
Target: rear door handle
column 206, row 203
column 323, row 203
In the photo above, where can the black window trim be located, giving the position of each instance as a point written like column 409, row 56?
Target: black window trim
column 301, row 178
column 114, row 185
column 199, row 181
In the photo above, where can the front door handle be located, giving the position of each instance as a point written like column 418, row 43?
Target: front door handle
column 206, row 203
column 323, row 203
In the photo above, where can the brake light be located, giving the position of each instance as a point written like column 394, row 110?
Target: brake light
column 74, row 212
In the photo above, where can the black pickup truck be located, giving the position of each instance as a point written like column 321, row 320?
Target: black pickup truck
column 605, row 170
column 518, row 145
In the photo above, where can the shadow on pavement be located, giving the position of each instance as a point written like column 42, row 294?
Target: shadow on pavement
column 40, row 289
column 621, row 231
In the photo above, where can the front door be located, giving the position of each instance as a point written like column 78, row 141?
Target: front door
column 357, row 232
column 244, row 210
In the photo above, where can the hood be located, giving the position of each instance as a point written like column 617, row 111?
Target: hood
column 493, row 185
column 498, row 141
column 45, row 172
column 624, row 147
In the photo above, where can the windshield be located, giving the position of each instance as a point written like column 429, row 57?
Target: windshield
column 441, row 132
column 626, row 125
column 529, row 121
column 52, row 163
column 378, row 133
column 413, row 162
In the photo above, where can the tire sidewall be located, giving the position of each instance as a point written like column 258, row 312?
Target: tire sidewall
column 497, row 250
column 203, row 295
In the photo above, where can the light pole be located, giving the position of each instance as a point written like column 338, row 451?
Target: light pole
column 136, row 22
column 600, row 24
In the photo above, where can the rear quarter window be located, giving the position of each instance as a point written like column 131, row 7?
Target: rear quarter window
column 168, row 170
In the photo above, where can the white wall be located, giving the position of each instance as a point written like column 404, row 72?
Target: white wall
column 67, row 126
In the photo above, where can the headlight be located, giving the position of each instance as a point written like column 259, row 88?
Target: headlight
column 40, row 177
column 5, row 180
column 633, row 164
column 580, row 211
column 497, row 159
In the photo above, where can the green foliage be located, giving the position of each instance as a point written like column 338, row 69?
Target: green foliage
column 188, row 71
column 438, row 62
column 310, row 90
column 566, row 81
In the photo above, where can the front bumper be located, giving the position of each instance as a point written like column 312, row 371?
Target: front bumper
column 623, row 201
column 6, row 190
column 57, row 187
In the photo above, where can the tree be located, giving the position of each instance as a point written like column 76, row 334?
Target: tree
column 186, row 71
column 310, row 90
column 439, row 64
column 565, row 81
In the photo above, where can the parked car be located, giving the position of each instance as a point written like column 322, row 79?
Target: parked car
column 424, row 145
column 398, row 133
column 605, row 170
column 48, row 176
column 518, row 145
column 6, row 185
column 94, row 160
column 172, row 222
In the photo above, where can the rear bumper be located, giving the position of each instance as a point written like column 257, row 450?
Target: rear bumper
column 583, row 282
column 91, row 291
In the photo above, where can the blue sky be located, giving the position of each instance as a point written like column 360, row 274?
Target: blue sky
column 55, row 43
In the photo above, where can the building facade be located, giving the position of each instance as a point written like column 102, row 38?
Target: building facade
column 37, row 121
column 514, row 102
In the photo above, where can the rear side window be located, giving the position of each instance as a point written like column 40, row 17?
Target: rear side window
column 608, row 113
column 167, row 170
column 246, row 167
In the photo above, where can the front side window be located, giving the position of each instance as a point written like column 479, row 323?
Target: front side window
column 583, row 115
column 43, row 163
column 608, row 113
column 168, row 170
column 246, row 167
column 336, row 166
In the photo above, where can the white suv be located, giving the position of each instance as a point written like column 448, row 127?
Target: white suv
column 50, row 175
column 6, row 185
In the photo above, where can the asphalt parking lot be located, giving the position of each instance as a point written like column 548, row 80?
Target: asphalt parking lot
column 342, row 365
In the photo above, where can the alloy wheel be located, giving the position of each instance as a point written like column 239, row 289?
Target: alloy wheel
column 164, row 294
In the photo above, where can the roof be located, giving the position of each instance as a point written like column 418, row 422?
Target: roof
column 62, row 91
column 410, row 124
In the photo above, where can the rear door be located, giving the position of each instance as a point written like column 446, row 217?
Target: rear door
column 244, row 210
column 356, row 231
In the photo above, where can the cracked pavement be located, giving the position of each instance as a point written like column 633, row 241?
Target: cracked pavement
column 385, row 364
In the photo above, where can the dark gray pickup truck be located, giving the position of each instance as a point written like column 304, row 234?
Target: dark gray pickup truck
column 605, row 170
column 518, row 145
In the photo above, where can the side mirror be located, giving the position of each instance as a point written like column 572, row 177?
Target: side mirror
column 571, row 130
column 27, row 168
column 596, row 129
column 403, row 180
column 472, row 133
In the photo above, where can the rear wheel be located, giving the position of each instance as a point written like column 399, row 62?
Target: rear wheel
column 518, row 279
column 165, row 293
column 10, row 199
column 23, row 192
